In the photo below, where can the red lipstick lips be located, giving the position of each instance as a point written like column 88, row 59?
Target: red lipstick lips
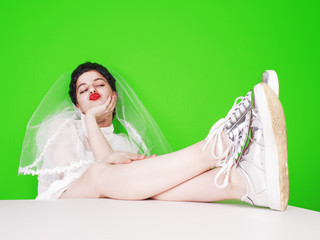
column 94, row 96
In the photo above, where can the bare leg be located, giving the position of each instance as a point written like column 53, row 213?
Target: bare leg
column 202, row 189
column 145, row 178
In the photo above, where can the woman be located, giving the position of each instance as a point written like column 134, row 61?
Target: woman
column 247, row 150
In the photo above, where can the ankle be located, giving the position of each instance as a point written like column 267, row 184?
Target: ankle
column 216, row 148
column 237, row 187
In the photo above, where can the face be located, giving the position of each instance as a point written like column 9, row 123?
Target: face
column 92, row 89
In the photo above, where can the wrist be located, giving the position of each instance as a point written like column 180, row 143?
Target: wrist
column 89, row 119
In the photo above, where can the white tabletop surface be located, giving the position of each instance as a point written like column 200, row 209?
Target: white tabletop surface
column 151, row 219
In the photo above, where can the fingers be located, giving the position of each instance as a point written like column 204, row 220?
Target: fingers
column 134, row 156
column 107, row 103
column 140, row 157
column 126, row 157
column 110, row 104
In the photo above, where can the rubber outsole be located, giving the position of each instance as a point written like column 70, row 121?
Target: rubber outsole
column 273, row 119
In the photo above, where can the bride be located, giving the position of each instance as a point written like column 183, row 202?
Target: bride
column 73, row 148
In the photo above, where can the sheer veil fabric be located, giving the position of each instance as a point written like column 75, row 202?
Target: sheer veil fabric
column 56, row 142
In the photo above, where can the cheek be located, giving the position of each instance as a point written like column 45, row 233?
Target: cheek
column 81, row 101
column 78, row 99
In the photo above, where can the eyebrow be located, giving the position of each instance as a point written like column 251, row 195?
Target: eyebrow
column 93, row 80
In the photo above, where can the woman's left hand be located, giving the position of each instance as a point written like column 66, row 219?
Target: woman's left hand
column 124, row 157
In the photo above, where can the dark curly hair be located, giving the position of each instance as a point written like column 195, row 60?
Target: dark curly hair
column 85, row 67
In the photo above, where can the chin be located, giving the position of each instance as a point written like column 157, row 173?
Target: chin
column 95, row 103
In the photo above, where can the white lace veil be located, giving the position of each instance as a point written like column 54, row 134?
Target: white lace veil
column 55, row 130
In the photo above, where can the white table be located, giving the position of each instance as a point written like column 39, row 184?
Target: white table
column 151, row 219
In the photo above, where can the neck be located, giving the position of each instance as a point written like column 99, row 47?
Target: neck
column 106, row 123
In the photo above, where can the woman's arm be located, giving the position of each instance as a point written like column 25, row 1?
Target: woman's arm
column 98, row 143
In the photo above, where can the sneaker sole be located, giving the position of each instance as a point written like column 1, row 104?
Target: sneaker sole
column 274, row 124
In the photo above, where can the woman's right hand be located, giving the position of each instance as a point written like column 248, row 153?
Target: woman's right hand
column 104, row 111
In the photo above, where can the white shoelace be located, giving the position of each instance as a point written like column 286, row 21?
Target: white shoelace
column 227, row 158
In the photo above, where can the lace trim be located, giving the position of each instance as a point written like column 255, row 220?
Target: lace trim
column 137, row 136
column 34, row 164
column 58, row 170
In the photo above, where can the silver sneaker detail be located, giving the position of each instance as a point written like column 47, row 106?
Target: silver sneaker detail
column 236, row 124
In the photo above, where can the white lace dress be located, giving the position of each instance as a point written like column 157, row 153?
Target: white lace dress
column 71, row 149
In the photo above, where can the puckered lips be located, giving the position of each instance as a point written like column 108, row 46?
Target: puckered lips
column 94, row 96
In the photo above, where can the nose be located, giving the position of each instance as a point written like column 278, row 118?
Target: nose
column 92, row 89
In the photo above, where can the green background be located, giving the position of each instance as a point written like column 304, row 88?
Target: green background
column 186, row 60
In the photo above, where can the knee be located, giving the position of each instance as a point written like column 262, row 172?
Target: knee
column 96, row 169
column 104, row 178
column 95, row 175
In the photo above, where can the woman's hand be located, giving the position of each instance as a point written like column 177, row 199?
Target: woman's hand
column 124, row 157
column 104, row 111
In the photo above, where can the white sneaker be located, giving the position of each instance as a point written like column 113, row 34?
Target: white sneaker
column 263, row 163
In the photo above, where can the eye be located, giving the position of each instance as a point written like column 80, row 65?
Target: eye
column 83, row 91
column 101, row 85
